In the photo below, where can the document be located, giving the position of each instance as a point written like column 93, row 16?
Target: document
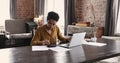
column 39, row 48
column 95, row 44
column 59, row 49
column 44, row 48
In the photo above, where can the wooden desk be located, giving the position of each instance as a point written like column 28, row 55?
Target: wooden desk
column 80, row 54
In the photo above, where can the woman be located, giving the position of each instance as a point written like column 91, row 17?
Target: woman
column 49, row 33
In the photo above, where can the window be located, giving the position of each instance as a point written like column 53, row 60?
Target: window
column 4, row 11
column 57, row 6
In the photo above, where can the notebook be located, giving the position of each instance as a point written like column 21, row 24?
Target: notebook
column 76, row 40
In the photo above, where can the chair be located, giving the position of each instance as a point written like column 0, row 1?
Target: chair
column 16, row 29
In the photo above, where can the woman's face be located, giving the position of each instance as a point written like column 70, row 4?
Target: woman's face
column 51, row 23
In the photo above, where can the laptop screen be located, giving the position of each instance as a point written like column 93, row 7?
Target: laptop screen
column 77, row 39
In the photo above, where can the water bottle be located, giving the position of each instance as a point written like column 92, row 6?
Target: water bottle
column 94, row 39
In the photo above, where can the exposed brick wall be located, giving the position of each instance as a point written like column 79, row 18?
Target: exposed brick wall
column 25, row 9
column 84, row 13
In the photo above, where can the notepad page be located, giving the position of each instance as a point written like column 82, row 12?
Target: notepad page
column 39, row 48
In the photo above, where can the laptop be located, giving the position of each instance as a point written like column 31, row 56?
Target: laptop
column 76, row 40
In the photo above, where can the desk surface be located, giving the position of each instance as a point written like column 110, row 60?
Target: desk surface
column 80, row 54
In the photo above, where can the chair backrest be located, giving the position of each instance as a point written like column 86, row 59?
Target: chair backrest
column 15, row 26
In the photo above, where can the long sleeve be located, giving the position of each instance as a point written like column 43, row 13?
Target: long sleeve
column 61, row 37
column 36, row 38
column 41, row 34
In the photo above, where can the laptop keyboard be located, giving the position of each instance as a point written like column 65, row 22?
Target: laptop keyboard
column 65, row 45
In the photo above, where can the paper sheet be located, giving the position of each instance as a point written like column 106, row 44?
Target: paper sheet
column 59, row 49
column 95, row 44
column 39, row 48
column 44, row 48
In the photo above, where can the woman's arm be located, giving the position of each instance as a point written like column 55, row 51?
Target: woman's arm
column 36, row 38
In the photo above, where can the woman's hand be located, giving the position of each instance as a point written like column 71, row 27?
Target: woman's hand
column 46, row 42
column 69, row 38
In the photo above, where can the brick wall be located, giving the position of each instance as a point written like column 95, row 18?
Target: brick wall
column 25, row 9
column 83, row 11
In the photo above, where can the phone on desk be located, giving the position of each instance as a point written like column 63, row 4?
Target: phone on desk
column 51, row 45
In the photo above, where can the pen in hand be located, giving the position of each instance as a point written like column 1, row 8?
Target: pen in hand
column 46, row 42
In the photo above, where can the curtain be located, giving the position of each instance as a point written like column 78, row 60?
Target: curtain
column 69, row 13
column 117, row 28
column 111, row 17
column 41, row 7
column 13, row 9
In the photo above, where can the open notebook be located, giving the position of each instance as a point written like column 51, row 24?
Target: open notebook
column 76, row 40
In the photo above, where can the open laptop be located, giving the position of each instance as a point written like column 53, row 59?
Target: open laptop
column 76, row 40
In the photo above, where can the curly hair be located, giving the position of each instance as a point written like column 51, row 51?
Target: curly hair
column 53, row 15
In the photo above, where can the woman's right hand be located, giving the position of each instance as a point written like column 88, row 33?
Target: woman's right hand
column 46, row 42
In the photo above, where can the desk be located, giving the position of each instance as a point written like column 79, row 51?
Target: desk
column 80, row 54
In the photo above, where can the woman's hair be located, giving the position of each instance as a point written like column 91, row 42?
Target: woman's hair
column 53, row 15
